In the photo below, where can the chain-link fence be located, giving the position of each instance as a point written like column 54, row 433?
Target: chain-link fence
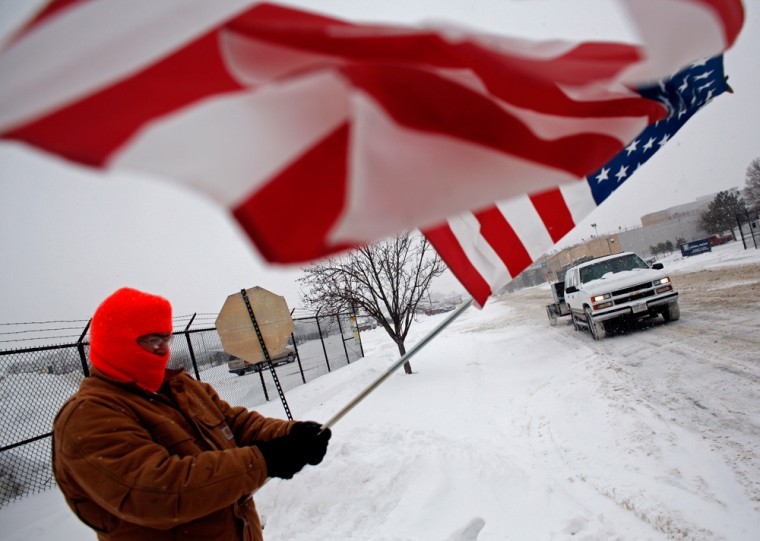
column 36, row 381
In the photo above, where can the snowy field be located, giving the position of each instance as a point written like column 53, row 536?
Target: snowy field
column 513, row 429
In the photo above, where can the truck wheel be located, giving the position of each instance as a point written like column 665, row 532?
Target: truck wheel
column 575, row 322
column 672, row 312
column 551, row 315
column 596, row 327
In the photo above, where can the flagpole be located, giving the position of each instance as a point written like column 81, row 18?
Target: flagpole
column 379, row 381
column 404, row 358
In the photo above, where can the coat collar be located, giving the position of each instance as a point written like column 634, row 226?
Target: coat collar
column 131, row 386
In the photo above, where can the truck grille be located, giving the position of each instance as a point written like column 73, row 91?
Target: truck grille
column 633, row 293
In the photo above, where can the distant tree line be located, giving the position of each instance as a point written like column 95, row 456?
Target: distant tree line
column 664, row 247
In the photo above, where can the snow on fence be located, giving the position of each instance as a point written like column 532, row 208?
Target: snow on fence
column 36, row 379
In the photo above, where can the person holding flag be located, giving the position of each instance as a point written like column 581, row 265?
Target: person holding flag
column 499, row 146
column 142, row 452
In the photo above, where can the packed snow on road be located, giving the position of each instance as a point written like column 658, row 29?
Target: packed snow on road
column 510, row 428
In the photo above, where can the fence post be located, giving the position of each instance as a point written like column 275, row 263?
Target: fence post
column 322, row 340
column 358, row 332
column 265, row 351
column 190, row 347
column 739, row 227
column 751, row 229
column 298, row 357
column 80, row 348
column 342, row 340
column 263, row 384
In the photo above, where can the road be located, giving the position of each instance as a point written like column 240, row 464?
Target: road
column 701, row 373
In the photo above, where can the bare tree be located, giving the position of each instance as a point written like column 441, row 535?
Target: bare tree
column 752, row 191
column 387, row 280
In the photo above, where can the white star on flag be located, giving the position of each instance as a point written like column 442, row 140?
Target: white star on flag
column 602, row 176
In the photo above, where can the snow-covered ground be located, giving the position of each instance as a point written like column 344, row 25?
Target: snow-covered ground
column 513, row 429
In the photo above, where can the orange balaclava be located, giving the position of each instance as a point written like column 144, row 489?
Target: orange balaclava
column 116, row 325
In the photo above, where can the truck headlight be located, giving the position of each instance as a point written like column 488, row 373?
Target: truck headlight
column 664, row 285
column 600, row 298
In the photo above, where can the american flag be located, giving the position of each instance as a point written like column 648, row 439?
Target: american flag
column 320, row 134
column 683, row 94
column 487, row 248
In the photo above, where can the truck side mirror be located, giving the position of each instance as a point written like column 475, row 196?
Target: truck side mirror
column 658, row 266
column 571, row 289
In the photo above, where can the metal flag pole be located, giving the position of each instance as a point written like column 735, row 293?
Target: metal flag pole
column 408, row 355
column 398, row 364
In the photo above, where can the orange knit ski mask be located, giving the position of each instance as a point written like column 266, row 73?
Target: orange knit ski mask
column 116, row 325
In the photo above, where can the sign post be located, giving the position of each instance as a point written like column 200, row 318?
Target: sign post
column 254, row 325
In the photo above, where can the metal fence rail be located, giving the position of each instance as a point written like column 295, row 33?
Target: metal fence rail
column 36, row 381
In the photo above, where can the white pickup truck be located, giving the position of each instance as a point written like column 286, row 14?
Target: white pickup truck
column 619, row 286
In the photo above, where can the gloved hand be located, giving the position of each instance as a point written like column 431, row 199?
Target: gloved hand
column 287, row 455
column 284, row 456
column 312, row 439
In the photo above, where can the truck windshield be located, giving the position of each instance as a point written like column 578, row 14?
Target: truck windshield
column 619, row 264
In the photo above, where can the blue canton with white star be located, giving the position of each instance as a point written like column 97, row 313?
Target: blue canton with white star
column 683, row 94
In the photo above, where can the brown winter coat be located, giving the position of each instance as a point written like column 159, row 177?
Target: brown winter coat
column 157, row 466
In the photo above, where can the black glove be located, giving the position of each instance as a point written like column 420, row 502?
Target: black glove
column 312, row 439
column 287, row 455
column 284, row 456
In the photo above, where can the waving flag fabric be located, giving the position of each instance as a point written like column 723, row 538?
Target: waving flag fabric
column 487, row 248
column 319, row 134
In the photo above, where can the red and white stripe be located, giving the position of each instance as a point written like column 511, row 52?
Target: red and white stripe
column 320, row 135
column 488, row 248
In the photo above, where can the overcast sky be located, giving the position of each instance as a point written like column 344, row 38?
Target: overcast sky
column 70, row 236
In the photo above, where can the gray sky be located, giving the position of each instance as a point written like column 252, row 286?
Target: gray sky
column 70, row 236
